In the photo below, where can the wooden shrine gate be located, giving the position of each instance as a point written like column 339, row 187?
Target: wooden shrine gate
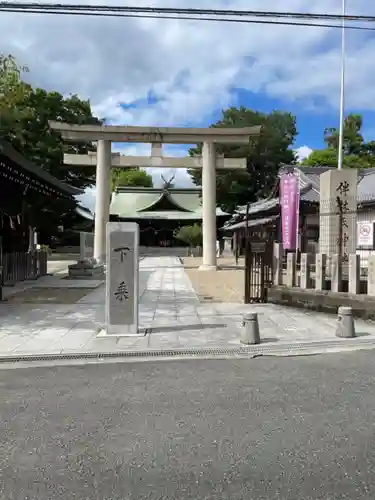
column 258, row 264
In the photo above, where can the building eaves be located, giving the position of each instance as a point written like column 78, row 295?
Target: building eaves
column 251, row 223
column 8, row 150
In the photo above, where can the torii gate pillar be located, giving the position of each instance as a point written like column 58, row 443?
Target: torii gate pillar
column 209, row 206
column 102, row 198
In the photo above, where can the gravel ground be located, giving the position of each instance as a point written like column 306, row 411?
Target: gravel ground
column 265, row 429
column 227, row 284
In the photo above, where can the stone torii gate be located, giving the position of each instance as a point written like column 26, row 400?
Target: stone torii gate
column 104, row 159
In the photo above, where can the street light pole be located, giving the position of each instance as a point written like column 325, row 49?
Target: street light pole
column 342, row 90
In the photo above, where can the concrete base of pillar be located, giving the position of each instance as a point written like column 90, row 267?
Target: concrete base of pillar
column 207, row 268
column 104, row 334
column 86, row 270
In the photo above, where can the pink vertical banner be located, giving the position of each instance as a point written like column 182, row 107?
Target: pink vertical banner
column 289, row 202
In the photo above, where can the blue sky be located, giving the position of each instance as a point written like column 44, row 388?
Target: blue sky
column 311, row 122
column 155, row 72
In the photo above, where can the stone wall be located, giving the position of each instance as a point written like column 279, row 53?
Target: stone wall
column 363, row 306
column 310, row 283
column 311, row 271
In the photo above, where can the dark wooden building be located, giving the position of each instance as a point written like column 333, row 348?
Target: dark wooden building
column 24, row 187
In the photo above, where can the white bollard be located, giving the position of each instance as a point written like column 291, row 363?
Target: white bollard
column 345, row 323
column 250, row 332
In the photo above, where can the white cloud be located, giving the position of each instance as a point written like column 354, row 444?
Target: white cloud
column 190, row 66
column 303, row 152
column 87, row 199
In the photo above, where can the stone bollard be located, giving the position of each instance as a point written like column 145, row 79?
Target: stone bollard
column 345, row 323
column 250, row 333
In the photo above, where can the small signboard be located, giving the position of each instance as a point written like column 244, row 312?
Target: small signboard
column 258, row 246
column 122, row 278
column 365, row 234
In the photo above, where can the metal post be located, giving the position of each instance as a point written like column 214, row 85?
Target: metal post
column 247, row 257
column 342, row 91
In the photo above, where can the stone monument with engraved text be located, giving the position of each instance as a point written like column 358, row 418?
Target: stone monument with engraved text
column 122, row 280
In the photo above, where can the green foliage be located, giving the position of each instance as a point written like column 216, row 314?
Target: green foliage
column 320, row 157
column 24, row 116
column 191, row 235
column 130, row 177
column 352, row 136
column 357, row 152
column 32, row 136
column 264, row 154
column 12, row 88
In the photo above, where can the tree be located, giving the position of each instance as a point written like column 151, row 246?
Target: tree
column 320, row 157
column 191, row 235
column 356, row 152
column 264, row 154
column 25, row 113
column 32, row 136
column 328, row 158
column 130, row 177
column 12, row 90
column 352, row 137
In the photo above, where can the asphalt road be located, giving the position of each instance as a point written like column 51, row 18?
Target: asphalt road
column 292, row 428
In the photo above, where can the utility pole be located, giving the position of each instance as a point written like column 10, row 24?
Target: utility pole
column 342, row 90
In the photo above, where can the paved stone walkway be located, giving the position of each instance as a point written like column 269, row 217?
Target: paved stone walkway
column 171, row 317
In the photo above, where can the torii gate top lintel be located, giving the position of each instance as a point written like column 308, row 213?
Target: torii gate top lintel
column 167, row 135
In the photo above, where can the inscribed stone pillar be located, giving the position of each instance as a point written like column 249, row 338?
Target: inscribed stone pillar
column 320, row 271
column 121, row 302
column 354, row 274
column 209, row 206
column 371, row 275
column 338, row 188
column 102, row 198
column 336, row 273
column 291, row 270
column 305, row 275
column 278, row 264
